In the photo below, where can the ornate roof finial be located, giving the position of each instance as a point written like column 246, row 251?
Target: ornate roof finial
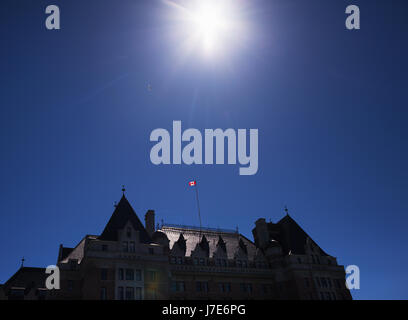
column 123, row 189
column 22, row 262
column 286, row 210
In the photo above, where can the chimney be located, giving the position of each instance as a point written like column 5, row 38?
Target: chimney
column 260, row 232
column 149, row 222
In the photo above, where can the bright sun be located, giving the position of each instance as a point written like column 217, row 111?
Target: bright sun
column 211, row 23
column 208, row 25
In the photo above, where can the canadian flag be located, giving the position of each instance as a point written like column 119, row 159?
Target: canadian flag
column 192, row 183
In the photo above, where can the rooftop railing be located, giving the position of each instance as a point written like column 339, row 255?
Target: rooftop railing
column 182, row 226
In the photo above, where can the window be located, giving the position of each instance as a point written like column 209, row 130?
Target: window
column 179, row 260
column 224, row 262
column 152, row 275
column 299, row 260
column 307, row 284
column 104, row 247
column 16, row 294
column 152, row 294
column 177, row 286
column 249, row 287
column 104, row 274
column 225, row 287
column 151, row 251
column 323, row 282
column 120, row 275
column 121, row 293
column 244, row 264
column 205, row 286
column 138, row 293
column 202, row 261
column 130, row 293
column 125, row 247
column 328, row 296
column 239, row 263
column 132, row 246
column 318, row 282
column 329, row 282
column 103, row 293
column 322, row 296
column 333, row 296
column 202, row 286
column 70, row 285
column 246, row 287
column 173, row 260
column 138, row 275
column 129, row 232
column 181, row 286
column 195, row 261
column 130, row 274
column 222, row 289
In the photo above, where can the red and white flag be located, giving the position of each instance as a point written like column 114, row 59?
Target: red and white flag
column 192, row 183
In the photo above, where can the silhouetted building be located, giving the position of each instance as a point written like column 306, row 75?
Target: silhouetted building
column 130, row 261
column 25, row 284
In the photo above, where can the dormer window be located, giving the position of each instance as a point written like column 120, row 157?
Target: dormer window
column 129, row 232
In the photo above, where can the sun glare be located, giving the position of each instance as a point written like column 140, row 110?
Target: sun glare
column 209, row 26
column 210, row 22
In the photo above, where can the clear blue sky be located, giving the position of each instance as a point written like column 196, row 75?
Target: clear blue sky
column 330, row 105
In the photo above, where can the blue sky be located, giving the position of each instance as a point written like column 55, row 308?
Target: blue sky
column 329, row 104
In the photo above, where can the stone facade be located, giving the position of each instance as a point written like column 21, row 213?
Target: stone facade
column 131, row 261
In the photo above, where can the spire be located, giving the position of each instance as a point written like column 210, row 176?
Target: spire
column 123, row 190
column 286, row 210
column 181, row 242
column 221, row 243
column 121, row 215
column 22, row 262
column 243, row 246
column 204, row 244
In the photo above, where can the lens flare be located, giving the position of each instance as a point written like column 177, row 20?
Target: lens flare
column 208, row 25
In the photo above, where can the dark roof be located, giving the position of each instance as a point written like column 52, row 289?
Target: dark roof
column 292, row 237
column 122, row 214
column 191, row 237
column 27, row 277
column 65, row 252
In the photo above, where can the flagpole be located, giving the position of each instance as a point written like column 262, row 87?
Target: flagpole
column 198, row 206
